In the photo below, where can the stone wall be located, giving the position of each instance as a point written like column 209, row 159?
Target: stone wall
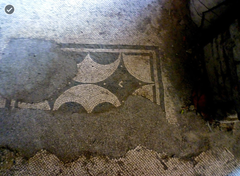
column 222, row 66
column 207, row 14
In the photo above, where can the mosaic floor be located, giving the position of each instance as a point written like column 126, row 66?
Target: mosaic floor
column 98, row 88
column 107, row 74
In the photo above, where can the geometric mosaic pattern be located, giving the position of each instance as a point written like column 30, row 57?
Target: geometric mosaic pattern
column 139, row 161
column 107, row 74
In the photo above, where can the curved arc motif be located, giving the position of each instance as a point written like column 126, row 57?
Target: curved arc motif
column 88, row 95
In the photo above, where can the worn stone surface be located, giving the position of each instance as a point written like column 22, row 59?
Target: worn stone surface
column 110, row 133
column 130, row 65
column 222, row 73
column 235, row 35
column 31, row 70
column 198, row 8
column 139, row 161
column 209, row 14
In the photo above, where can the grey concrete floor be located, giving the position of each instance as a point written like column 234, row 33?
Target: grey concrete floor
column 99, row 85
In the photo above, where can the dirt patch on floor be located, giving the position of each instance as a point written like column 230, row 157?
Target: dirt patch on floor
column 113, row 133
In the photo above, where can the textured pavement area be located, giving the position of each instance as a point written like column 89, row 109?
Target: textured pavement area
column 140, row 161
column 96, row 88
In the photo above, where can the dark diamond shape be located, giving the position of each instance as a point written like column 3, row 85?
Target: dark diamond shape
column 121, row 83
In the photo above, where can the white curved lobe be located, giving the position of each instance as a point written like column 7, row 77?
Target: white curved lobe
column 92, row 72
column 139, row 67
column 145, row 91
column 88, row 95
